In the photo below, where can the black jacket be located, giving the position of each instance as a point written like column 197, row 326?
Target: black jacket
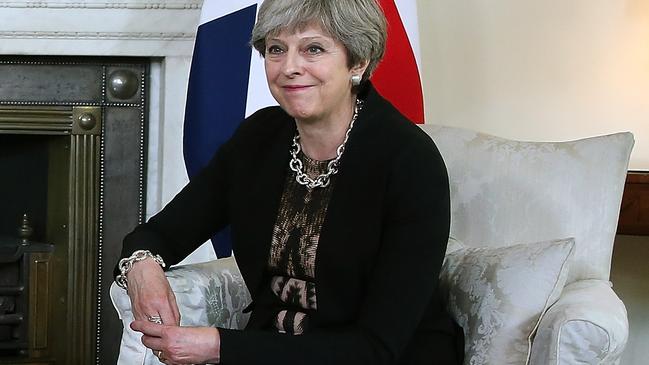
column 378, row 259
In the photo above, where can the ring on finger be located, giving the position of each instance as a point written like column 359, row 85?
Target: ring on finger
column 158, row 354
column 154, row 319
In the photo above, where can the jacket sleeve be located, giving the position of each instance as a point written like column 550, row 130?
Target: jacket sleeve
column 403, row 280
column 198, row 211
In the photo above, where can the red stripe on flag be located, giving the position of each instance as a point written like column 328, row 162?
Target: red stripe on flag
column 397, row 77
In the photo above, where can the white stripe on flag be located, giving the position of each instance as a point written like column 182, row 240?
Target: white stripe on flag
column 408, row 12
column 214, row 9
column 258, row 94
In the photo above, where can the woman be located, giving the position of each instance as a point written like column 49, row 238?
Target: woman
column 338, row 208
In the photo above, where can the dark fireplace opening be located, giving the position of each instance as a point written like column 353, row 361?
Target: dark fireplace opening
column 29, row 165
column 33, row 198
column 24, row 165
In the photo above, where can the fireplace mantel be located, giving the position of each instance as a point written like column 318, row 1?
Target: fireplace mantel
column 109, row 28
column 133, row 4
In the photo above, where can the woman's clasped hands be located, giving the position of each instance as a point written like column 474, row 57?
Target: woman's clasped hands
column 176, row 345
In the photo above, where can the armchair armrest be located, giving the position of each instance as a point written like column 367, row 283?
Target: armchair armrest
column 587, row 325
column 211, row 294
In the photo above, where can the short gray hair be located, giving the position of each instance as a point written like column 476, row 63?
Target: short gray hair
column 359, row 25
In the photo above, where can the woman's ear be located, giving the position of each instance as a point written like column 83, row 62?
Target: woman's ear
column 359, row 69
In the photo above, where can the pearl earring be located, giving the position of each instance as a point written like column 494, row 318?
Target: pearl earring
column 356, row 80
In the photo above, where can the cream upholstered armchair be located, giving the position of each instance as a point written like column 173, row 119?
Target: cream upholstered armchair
column 508, row 192
column 527, row 268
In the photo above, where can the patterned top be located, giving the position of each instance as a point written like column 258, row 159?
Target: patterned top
column 294, row 245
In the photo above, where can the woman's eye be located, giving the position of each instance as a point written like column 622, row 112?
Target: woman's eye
column 313, row 50
column 274, row 50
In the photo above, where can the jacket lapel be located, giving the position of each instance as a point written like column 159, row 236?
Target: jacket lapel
column 350, row 199
column 354, row 164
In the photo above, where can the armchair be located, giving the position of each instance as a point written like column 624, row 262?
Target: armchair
column 503, row 192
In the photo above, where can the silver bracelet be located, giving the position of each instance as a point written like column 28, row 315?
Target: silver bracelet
column 125, row 265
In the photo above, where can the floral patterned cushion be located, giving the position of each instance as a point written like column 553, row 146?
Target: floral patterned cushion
column 498, row 296
column 212, row 294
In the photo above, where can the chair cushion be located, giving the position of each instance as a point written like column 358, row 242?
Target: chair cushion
column 505, row 192
column 498, row 295
column 212, row 294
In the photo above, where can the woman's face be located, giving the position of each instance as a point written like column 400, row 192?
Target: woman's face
column 308, row 75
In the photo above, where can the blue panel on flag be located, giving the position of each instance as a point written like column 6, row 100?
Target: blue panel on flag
column 218, row 87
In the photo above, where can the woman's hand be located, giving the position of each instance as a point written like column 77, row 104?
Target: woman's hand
column 151, row 295
column 175, row 345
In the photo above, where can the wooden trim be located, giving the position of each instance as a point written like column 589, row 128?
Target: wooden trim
column 637, row 177
column 634, row 210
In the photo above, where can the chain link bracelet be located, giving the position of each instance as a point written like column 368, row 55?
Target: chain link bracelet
column 126, row 264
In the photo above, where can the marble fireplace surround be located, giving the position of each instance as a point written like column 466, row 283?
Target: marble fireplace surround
column 162, row 30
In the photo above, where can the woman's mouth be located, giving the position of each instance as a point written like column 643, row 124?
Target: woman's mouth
column 295, row 87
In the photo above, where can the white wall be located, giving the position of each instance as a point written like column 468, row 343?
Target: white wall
column 538, row 70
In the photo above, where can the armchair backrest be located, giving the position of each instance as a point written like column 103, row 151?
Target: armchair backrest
column 505, row 192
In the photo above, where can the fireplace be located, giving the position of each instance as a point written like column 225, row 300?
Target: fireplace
column 158, row 35
column 73, row 158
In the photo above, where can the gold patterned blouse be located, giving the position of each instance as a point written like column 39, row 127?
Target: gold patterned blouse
column 294, row 246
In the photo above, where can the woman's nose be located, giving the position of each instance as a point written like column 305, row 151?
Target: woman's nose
column 292, row 64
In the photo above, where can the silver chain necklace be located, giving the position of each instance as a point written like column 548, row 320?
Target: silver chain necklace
column 322, row 180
